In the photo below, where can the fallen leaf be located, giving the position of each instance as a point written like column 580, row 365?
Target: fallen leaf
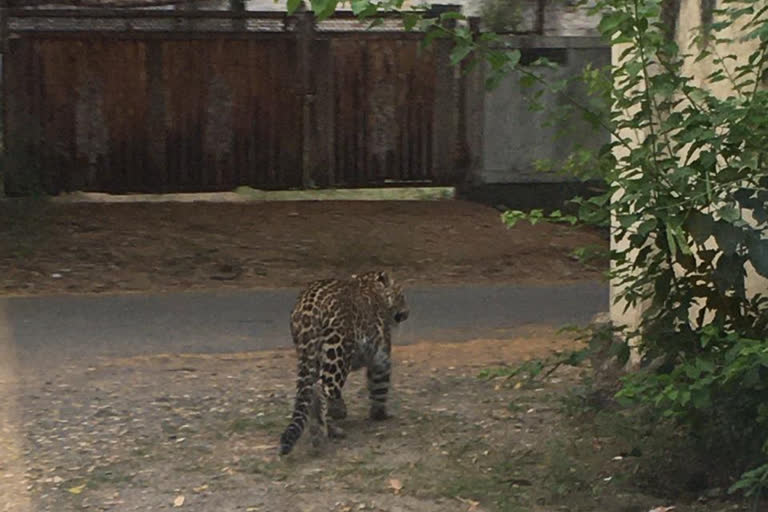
column 179, row 501
column 201, row 488
column 396, row 485
column 77, row 489
column 472, row 504
column 662, row 509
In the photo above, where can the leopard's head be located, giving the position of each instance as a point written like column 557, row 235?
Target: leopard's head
column 389, row 290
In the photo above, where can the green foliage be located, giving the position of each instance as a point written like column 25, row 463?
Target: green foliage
column 597, row 341
column 589, row 254
column 512, row 217
column 501, row 15
column 687, row 179
column 720, row 394
column 753, row 483
column 687, row 170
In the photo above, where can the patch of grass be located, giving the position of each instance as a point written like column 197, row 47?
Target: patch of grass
column 272, row 422
column 605, row 451
column 259, row 466
column 192, row 467
column 109, row 475
column 565, row 475
column 364, row 473
column 241, row 425
column 141, row 451
column 518, row 406
column 498, row 477
column 488, row 489
column 468, row 447
column 24, row 226
column 362, row 194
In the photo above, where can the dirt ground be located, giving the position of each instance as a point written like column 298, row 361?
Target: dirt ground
column 50, row 248
column 199, row 433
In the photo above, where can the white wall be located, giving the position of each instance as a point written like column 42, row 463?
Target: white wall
column 689, row 17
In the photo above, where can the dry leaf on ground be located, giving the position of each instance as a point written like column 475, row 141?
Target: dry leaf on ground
column 472, row 504
column 396, row 485
column 77, row 489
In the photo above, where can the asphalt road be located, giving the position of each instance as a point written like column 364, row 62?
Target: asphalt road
column 81, row 327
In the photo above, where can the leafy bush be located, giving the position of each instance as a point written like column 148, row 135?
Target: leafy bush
column 688, row 179
column 688, row 173
column 720, row 394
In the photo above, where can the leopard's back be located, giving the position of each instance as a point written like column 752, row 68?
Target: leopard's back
column 338, row 326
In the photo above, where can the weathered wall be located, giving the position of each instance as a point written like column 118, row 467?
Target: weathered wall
column 515, row 137
column 562, row 18
column 689, row 16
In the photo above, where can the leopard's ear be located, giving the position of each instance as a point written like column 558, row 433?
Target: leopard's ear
column 383, row 278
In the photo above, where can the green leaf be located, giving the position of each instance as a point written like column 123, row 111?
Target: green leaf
column 323, row 8
column 758, row 253
column 610, row 22
column 293, row 5
column 646, row 227
column 459, row 53
column 410, row 20
column 681, row 241
column 700, row 226
column 626, row 221
column 671, row 242
column 701, row 399
column 360, row 6
column 728, row 236
column 452, row 15
column 729, row 213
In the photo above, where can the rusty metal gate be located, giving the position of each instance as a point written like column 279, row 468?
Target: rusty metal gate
column 184, row 101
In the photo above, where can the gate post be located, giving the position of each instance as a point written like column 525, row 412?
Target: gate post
column 305, row 30
column 472, row 116
column 447, row 102
column 3, row 93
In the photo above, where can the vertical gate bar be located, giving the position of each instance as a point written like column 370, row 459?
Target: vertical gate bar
column 3, row 88
column 475, row 98
column 156, row 135
column 305, row 35
column 363, row 171
column 330, row 113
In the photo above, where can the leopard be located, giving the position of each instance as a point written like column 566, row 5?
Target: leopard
column 339, row 326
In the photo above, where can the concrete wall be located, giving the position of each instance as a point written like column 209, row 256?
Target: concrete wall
column 563, row 18
column 688, row 18
column 514, row 137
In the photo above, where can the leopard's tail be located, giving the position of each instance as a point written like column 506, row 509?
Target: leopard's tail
column 305, row 398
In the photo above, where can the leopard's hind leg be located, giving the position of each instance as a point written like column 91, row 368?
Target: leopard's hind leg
column 321, row 428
